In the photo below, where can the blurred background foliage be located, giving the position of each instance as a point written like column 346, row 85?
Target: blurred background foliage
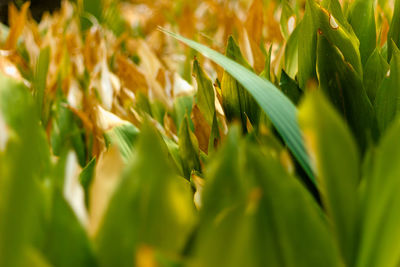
column 119, row 146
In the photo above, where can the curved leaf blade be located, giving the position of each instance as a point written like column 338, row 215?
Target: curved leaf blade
column 281, row 111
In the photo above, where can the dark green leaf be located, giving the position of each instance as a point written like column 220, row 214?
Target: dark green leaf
column 344, row 89
column 290, row 88
column 375, row 70
column 387, row 104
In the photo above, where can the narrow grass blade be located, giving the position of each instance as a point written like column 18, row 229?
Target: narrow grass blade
column 281, row 111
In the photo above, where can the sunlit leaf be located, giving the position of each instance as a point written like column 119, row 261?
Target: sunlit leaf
column 205, row 93
column 338, row 183
column 152, row 207
column 279, row 108
column 362, row 20
column 379, row 224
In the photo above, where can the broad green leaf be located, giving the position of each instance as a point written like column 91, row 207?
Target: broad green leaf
column 23, row 164
column 386, row 103
column 252, row 218
column 151, row 208
column 295, row 220
column 380, row 221
column 344, row 88
column 338, row 182
column 394, row 30
column 375, row 71
column 362, row 19
column 224, row 184
column 290, row 88
column 66, row 242
column 336, row 32
column 225, row 227
column 238, row 104
column 188, row 149
column 278, row 107
column 205, row 93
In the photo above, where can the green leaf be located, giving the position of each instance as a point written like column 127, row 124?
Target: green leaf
column 333, row 6
column 295, row 220
column 291, row 64
column 394, row 30
column 362, row 19
column 205, row 93
column 238, row 103
column 34, row 258
column 344, row 88
column 86, row 178
column 66, row 131
column 338, row 182
column 40, row 76
column 214, row 135
column 252, row 218
column 279, row 108
column 75, row 248
column 224, row 186
column 24, row 162
column 124, row 137
column 151, row 208
column 386, row 104
column 188, row 149
column 182, row 107
column 375, row 71
column 290, row 88
column 307, row 44
column 337, row 33
column 380, row 223
column 90, row 8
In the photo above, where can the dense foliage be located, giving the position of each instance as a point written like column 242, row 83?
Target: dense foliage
column 201, row 133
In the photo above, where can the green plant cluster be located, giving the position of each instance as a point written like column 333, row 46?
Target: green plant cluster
column 245, row 203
